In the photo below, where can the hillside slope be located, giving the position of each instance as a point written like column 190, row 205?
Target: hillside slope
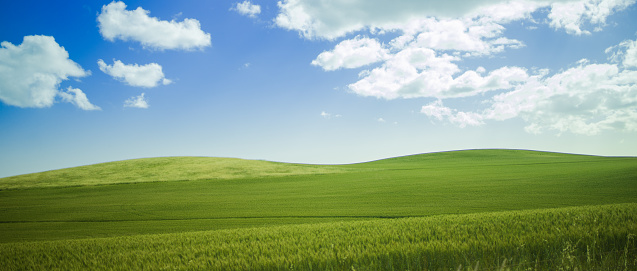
column 161, row 170
column 210, row 168
column 190, row 194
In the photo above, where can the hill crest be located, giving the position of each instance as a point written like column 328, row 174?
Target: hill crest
column 185, row 168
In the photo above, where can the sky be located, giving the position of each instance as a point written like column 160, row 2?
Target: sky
column 312, row 81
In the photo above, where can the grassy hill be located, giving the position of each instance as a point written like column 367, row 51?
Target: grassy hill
column 161, row 170
column 160, row 195
column 177, row 195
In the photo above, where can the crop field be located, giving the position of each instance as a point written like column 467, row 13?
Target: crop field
column 468, row 210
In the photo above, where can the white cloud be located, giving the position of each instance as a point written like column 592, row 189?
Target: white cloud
column 442, row 113
column 419, row 72
column 352, row 53
column 568, row 16
column 136, row 102
column 30, row 73
column 586, row 100
column 329, row 116
column 473, row 36
column 421, row 62
column 624, row 53
column 78, row 98
column 115, row 22
column 630, row 57
column 248, row 9
column 333, row 19
column 573, row 15
column 149, row 75
column 430, row 38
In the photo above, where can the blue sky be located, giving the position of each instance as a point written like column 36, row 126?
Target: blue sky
column 312, row 81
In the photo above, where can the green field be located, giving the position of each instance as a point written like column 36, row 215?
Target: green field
column 430, row 211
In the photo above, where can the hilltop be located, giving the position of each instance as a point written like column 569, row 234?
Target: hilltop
column 174, row 194
column 490, row 207
column 163, row 169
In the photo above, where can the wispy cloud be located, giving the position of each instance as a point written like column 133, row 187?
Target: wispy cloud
column 329, row 116
column 78, row 98
column 137, row 102
column 586, row 99
column 571, row 16
column 247, row 8
column 438, row 111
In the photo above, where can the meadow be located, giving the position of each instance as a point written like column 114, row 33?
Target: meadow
column 476, row 209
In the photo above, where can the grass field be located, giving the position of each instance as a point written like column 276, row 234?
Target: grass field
column 201, row 213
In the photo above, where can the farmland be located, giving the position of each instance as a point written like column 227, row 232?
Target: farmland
column 430, row 211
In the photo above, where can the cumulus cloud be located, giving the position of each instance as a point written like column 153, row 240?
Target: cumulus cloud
column 462, row 119
column 572, row 15
column 421, row 61
column 136, row 102
column 624, row 53
column 420, row 72
column 586, row 99
column 115, row 22
column 477, row 37
column 30, row 73
column 333, row 19
column 247, row 8
column 149, row 75
column 429, row 38
column 78, row 98
column 630, row 56
column 352, row 53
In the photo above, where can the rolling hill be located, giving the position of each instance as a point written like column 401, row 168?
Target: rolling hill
column 177, row 195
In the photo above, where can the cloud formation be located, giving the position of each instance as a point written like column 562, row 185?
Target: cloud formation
column 115, row 22
column 429, row 39
column 149, row 75
column 334, row 19
column 442, row 113
column 78, row 98
column 420, row 72
column 421, row 61
column 329, row 115
column 624, row 53
column 352, row 53
column 586, row 99
column 30, row 74
column 247, row 8
column 137, row 102
column 572, row 15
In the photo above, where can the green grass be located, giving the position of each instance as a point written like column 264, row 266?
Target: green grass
column 575, row 238
column 179, row 196
column 161, row 170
